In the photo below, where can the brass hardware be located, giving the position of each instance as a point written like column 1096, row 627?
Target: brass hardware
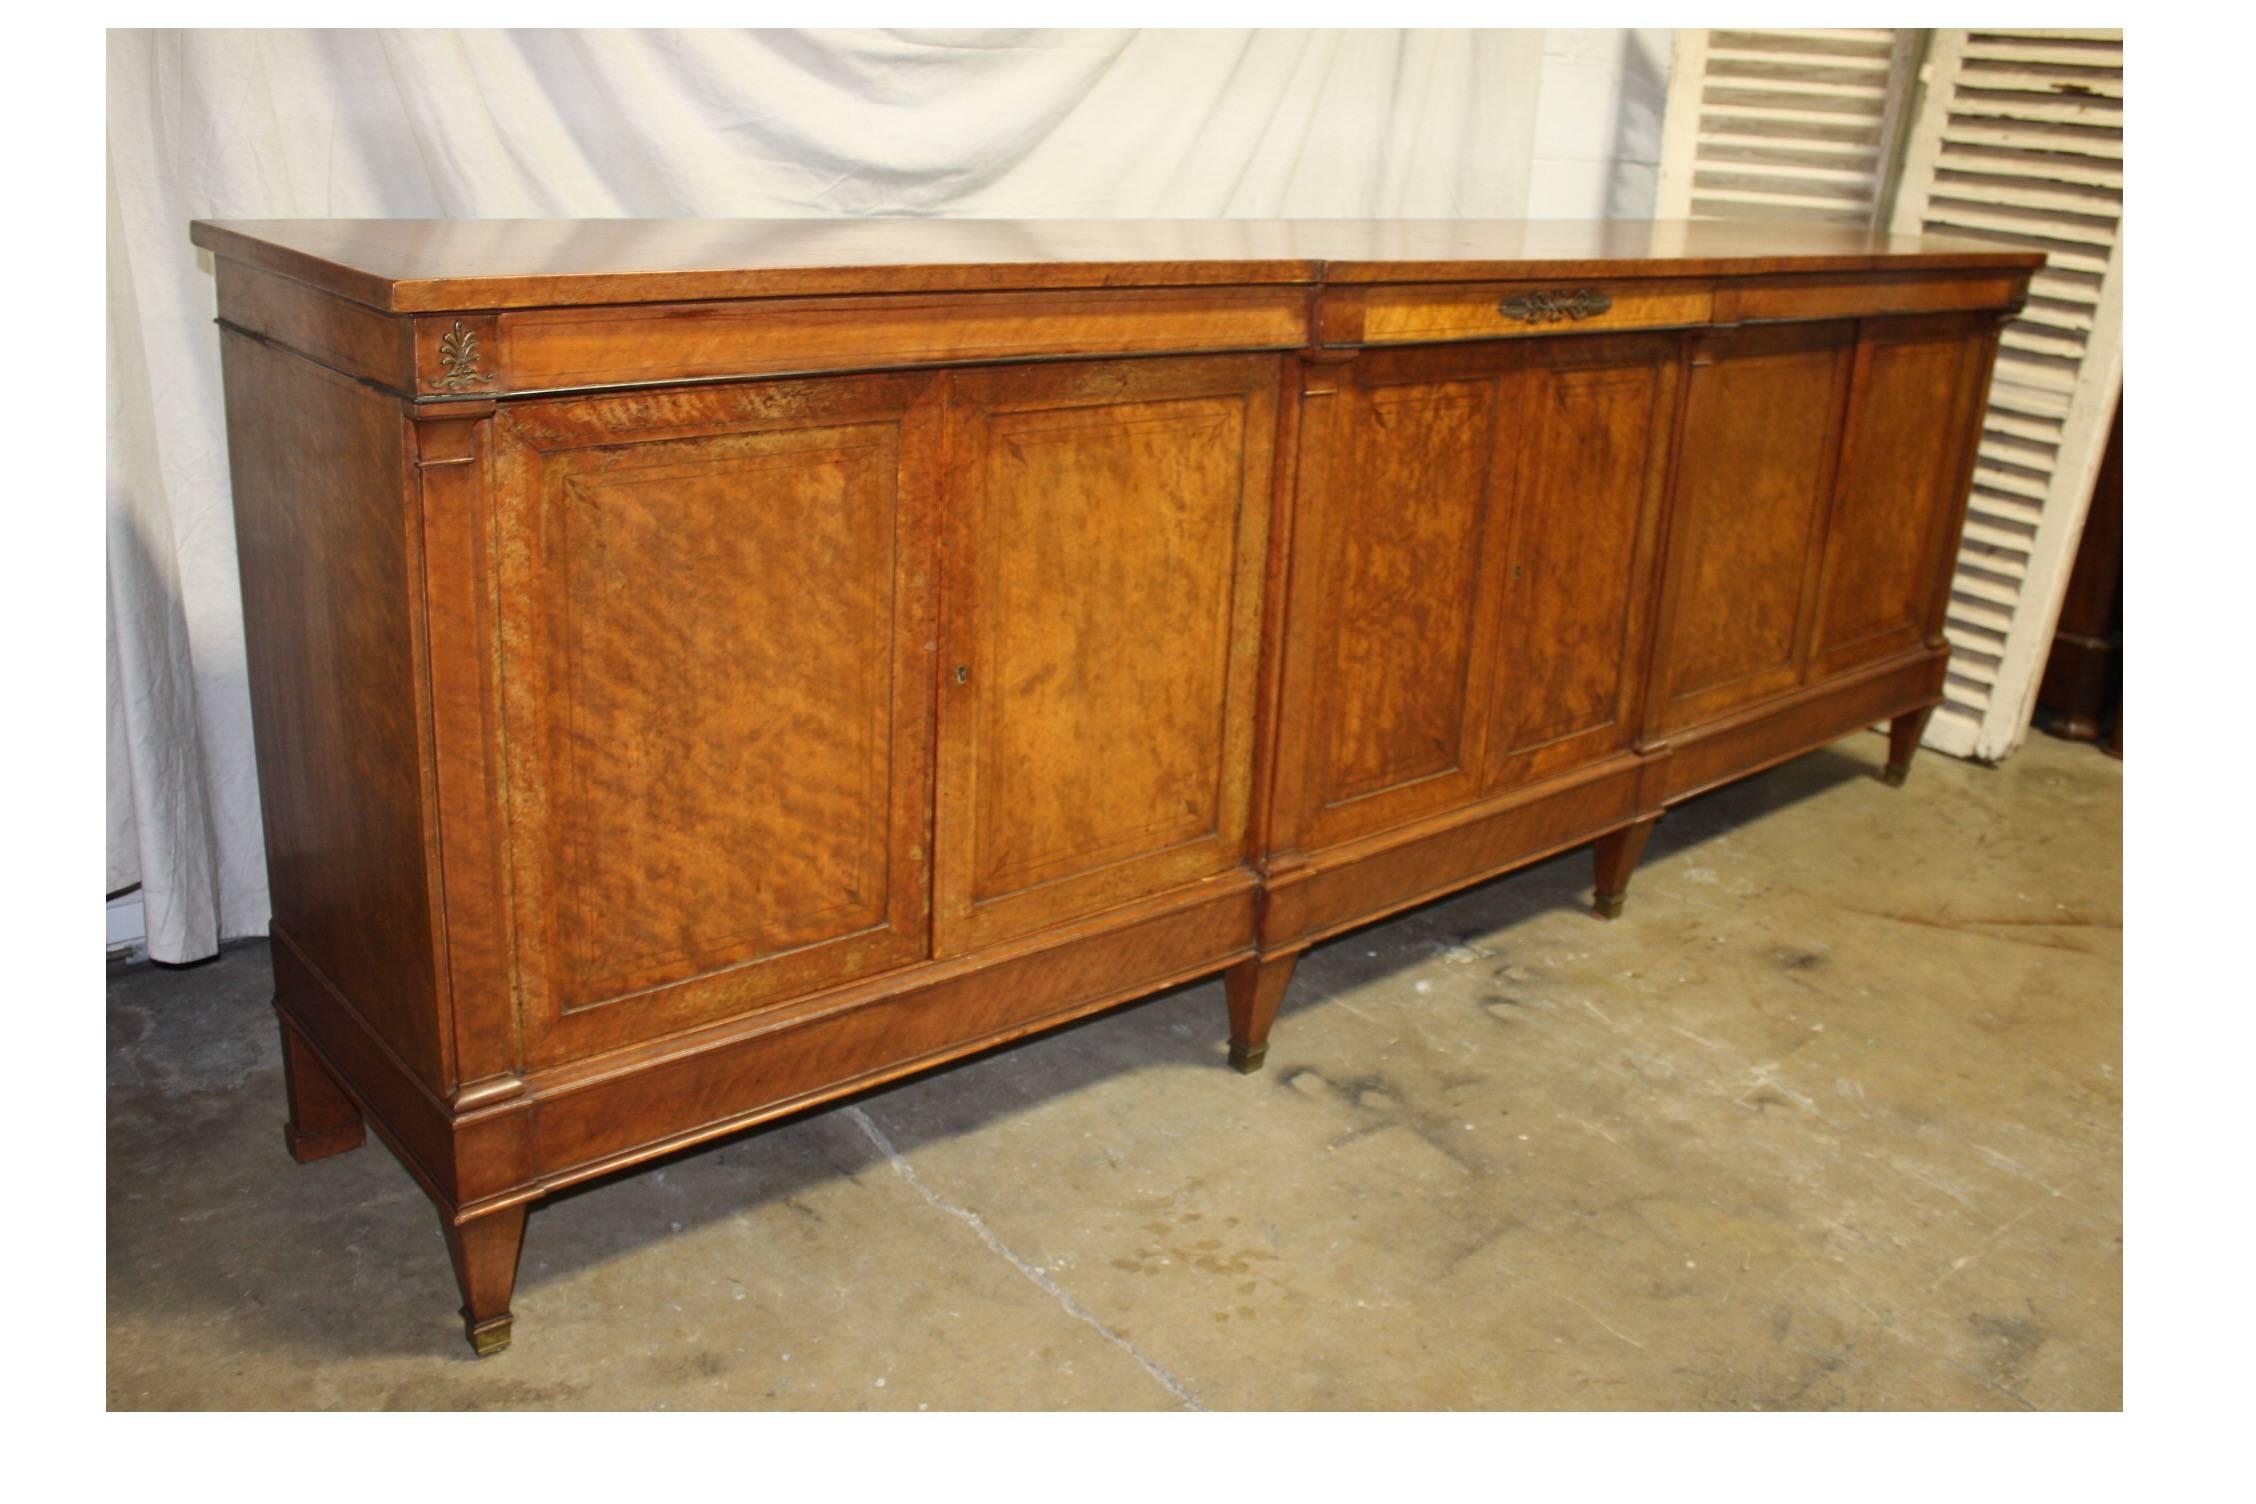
column 1553, row 307
column 489, row 1336
column 458, row 358
column 963, row 673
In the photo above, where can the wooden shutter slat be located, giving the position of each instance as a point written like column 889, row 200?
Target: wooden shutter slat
column 2019, row 141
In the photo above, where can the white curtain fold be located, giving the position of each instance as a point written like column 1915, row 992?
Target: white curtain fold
column 1021, row 124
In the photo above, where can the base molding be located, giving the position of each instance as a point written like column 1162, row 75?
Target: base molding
column 493, row 1149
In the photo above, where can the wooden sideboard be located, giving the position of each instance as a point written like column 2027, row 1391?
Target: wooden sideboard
column 703, row 669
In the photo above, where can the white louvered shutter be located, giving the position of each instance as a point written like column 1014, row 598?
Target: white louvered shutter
column 1776, row 124
column 2019, row 140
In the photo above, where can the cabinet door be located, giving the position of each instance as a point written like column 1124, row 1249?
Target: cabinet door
column 1583, row 444
column 716, row 611
column 1906, row 455
column 1397, row 553
column 1107, row 528
column 1762, row 422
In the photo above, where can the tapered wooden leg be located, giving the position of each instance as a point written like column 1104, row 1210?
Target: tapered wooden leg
column 485, row 1251
column 1617, row 858
column 323, row 1120
column 1256, row 989
column 1904, row 733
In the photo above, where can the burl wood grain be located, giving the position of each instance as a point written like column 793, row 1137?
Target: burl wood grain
column 718, row 610
column 1903, row 482
column 1098, row 739
column 1395, row 580
column 1474, row 581
column 1761, row 428
column 1589, row 425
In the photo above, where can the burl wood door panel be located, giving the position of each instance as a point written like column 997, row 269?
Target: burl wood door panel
column 1762, row 422
column 1396, row 557
column 1583, row 457
column 717, row 609
column 1106, row 538
column 1908, row 449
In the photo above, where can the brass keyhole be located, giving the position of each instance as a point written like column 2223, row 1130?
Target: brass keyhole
column 963, row 673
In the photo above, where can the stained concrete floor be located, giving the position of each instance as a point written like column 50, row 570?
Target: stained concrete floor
column 1831, row 1118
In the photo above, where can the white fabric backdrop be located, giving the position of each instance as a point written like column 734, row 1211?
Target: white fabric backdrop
column 249, row 124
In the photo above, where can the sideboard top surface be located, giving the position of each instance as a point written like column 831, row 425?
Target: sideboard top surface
column 435, row 265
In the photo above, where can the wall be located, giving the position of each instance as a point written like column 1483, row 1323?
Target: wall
column 1601, row 97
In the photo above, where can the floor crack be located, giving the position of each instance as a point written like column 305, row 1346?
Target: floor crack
column 1035, row 1275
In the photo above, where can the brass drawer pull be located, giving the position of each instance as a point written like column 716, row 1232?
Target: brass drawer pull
column 1552, row 307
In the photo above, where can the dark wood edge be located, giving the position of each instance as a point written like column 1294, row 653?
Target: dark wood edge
column 1976, row 312
column 1893, row 686
column 1334, row 328
column 328, row 276
column 1041, row 989
column 1890, row 687
column 403, row 1110
column 311, row 359
column 848, row 997
column 1630, row 269
column 466, row 294
column 1426, row 840
column 806, row 373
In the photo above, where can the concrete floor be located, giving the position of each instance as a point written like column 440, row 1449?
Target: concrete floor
column 1831, row 1118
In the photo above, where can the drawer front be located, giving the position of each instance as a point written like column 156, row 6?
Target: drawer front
column 716, row 607
column 1866, row 295
column 1506, row 310
column 561, row 349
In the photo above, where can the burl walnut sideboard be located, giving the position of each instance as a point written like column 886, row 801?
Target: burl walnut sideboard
column 703, row 669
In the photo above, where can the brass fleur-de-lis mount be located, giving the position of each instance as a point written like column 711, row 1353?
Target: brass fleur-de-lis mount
column 458, row 360
column 1555, row 307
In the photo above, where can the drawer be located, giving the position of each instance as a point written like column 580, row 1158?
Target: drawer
column 1418, row 314
column 1866, row 295
column 563, row 349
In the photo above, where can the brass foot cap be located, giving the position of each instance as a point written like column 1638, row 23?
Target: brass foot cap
column 1608, row 905
column 1246, row 1062
column 1894, row 776
column 487, row 1337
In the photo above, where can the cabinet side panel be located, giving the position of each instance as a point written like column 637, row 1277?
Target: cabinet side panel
column 323, row 534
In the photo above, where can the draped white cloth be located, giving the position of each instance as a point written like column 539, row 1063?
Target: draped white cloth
column 250, row 124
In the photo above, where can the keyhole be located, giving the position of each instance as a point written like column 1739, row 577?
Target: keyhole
column 963, row 673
